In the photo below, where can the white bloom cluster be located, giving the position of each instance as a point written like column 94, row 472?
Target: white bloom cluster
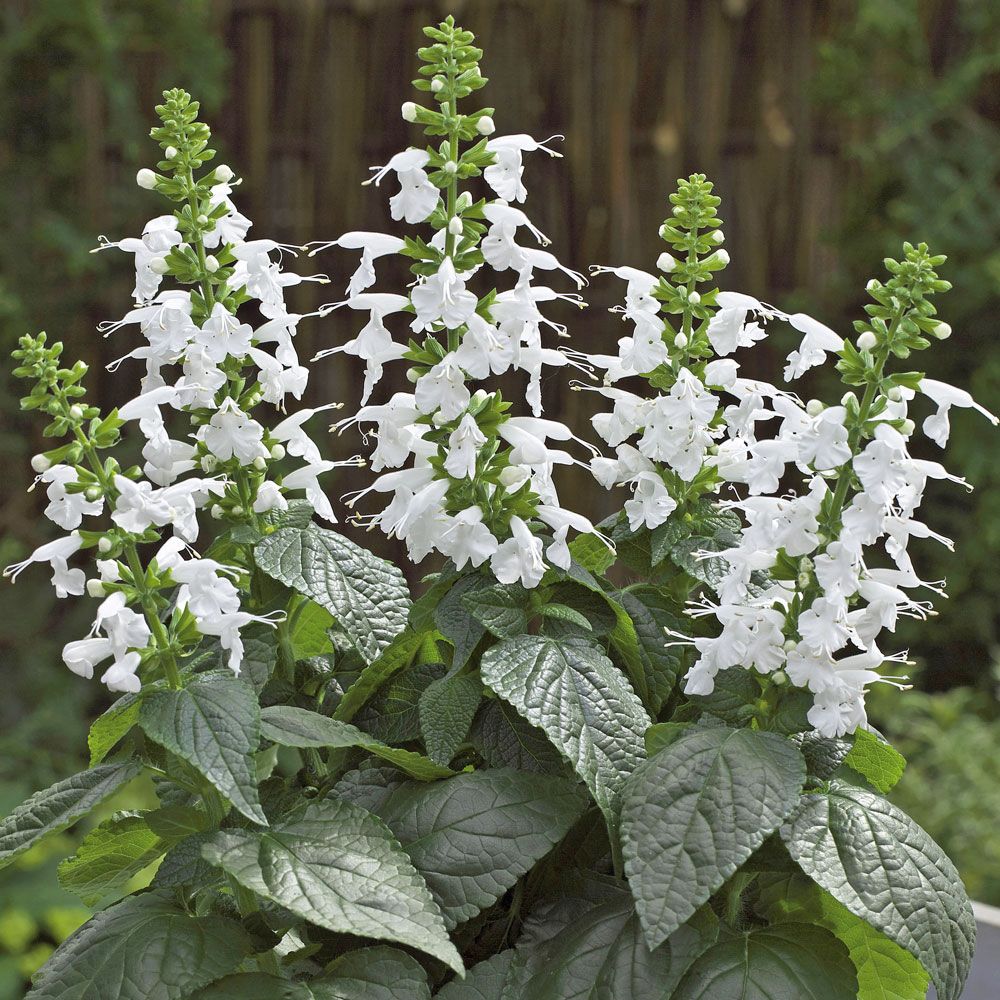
column 200, row 359
column 464, row 477
column 821, row 568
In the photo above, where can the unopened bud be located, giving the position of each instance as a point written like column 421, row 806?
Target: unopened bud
column 873, row 286
column 486, row 125
column 722, row 256
column 942, row 331
column 95, row 588
column 439, row 419
column 40, row 463
column 694, row 298
column 803, row 580
column 159, row 265
column 146, row 178
column 907, row 427
column 409, row 111
column 209, row 463
column 779, row 677
column 455, row 226
column 170, row 152
column 76, row 411
column 681, row 340
column 211, row 264
column 412, row 374
column 666, row 262
column 513, row 475
column 216, row 511
column 789, row 645
column 259, row 464
column 663, row 231
column 223, row 173
column 237, row 511
column 895, row 394
column 479, row 396
column 450, row 167
column 464, row 202
column 866, row 341
column 814, row 407
column 278, row 452
column 717, row 236
column 678, row 210
column 437, row 85
column 93, row 493
column 104, row 545
column 202, row 219
column 848, row 398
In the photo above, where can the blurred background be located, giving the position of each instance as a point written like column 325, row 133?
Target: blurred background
column 833, row 131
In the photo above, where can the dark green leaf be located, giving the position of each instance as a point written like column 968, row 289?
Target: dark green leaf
column 876, row 861
column 60, row 805
column 501, row 609
column 378, row 973
column 733, row 697
column 474, row 835
column 504, row 739
column 108, row 858
column 367, row 595
column 785, row 962
column 652, row 613
column 260, row 654
column 591, row 553
column 393, row 712
column 143, row 948
column 298, row 727
column 447, row 707
column 696, row 811
column 874, row 759
column 456, row 623
column 339, row 867
column 398, row 655
column 213, row 724
column 109, row 727
column 663, row 734
column 310, row 631
column 489, row 980
column 823, row 755
column 581, row 700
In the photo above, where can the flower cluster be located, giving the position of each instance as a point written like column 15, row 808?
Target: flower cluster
column 819, row 569
column 467, row 478
column 204, row 362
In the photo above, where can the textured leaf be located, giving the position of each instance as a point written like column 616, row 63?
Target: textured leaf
column 109, row 727
column 473, row 836
column 502, row 609
column 60, row 805
column 872, row 858
column 662, row 734
column 108, row 858
column 591, row 553
column 694, row 556
column 398, row 655
column 651, row 614
column 506, row 740
column 600, row 954
column 785, row 962
column 488, row 980
column 253, row 986
column 456, row 623
column 580, row 699
column 310, row 631
column 378, row 973
column 885, row 971
column 447, row 707
column 733, row 696
column 183, row 865
column 143, row 948
column 823, row 755
column 696, row 811
column 298, row 727
column 339, row 867
column 393, row 713
column 213, row 724
column 366, row 595
column 260, row 654
column 875, row 760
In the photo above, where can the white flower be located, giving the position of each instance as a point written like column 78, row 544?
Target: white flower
column 937, row 427
column 519, row 557
column 464, row 443
column 67, row 509
column 231, row 433
column 372, row 246
column 305, row 478
column 504, row 176
column 442, row 298
column 67, row 582
column 443, row 389
column 651, row 503
column 823, row 626
column 417, row 196
column 121, row 675
column 222, row 335
column 819, row 340
column 467, row 540
column 82, row 655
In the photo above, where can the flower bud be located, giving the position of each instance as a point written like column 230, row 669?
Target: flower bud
column 814, row 407
column 278, row 452
column 678, row 210
column 694, row 298
column 437, row 85
column 76, row 411
column 237, row 511
column 170, row 152
column 895, row 394
column 942, row 331
column 779, row 677
column 663, row 231
column 223, row 173
column 717, row 236
column 803, row 580
column 789, row 645
column 873, row 286
column 211, row 264
column 93, row 493
column 202, row 219
column 439, row 419
column 412, row 374
column 722, row 256
column 147, row 179
column 104, row 544
column 216, row 511
column 159, row 265
column 409, row 111
column 486, row 125
column 512, row 476
column 40, row 463
column 681, row 340
column 479, row 397
column 907, row 427
column 209, row 463
column 666, row 262
column 95, row 588
column 464, row 202
column 450, row 167
column 455, row 226
column 866, row 341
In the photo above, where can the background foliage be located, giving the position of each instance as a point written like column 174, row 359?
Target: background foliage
column 833, row 133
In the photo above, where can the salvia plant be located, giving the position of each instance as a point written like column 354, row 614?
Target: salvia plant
column 634, row 763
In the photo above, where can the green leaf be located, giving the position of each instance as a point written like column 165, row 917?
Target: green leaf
column 109, row 727
column 591, row 553
column 474, row 835
column 561, row 612
column 872, row 858
column 733, row 697
column 800, row 961
column 108, row 858
column 875, row 760
column 260, row 654
column 581, row 700
column 57, row 807
column 447, row 707
column 213, row 724
column 884, row 969
column 298, row 727
column 501, row 609
column 366, row 595
column 456, row 623
column 143, row 948
column 504, row 739
column 663, row 734
column 489, row 980
column 823, row 755
column 175, row 822
column 696, row 811
column 599, row 952
column 310, row 631
column 393, row 713
column 651, row 613
column 253, row 986
column 398, row 655
column 339, row 867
